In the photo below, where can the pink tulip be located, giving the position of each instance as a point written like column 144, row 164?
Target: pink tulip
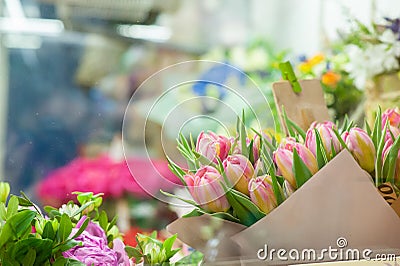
column 239, row 171
column 256, row 147
column 262, row 194
column 328, row 138
column 361, row 147
column 283, row 158
column 392, row 131
column 206, row 190
column 393, row 116
column 255, row 150
column 213, row 146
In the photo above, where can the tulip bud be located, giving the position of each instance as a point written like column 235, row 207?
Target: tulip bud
column 361, row 147
column 239, row 171
column 288, row 190
column 283, row 158
column 213, row 146
column 328, row 137
column 392, row 133
column 262, row 194
column 206, row 190
column 393, row 116
column 256, row 147
column 4, row 191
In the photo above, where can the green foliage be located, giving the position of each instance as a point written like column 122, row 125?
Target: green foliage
column 152, row 251
column 29, row 238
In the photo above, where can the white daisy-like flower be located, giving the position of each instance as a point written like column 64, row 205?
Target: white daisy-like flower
column 69, row 209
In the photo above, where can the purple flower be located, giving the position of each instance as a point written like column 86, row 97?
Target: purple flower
column 94, row 249
column 119, row 248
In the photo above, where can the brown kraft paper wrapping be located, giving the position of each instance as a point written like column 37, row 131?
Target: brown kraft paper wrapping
column 339, row 201
column 396, row 206
column 303, row 108
column 197, row 232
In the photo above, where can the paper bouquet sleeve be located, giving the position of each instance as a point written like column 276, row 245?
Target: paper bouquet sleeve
column 309, row 104
column 208, row 235
column 338, row 203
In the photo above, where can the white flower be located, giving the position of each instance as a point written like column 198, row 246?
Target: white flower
column 387, row 37
column 69, row 209
column 390, row 38
column 374, row 60
column 356, row 66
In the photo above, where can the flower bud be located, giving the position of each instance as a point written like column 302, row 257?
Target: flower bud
column 393, row 116
column 283, row 158
column 239, row 171
column 206, row 190
column 361, row 147
column 328, row 137
column 4, row 191
column 262, row 194
column 213, row 146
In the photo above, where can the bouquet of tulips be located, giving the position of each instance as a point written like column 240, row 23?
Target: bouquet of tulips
column 242, row 179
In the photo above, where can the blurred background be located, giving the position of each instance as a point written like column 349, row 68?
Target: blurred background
column 68, row 69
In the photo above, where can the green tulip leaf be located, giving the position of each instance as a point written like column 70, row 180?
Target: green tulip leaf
column 378, row 162
column 179, row 172
column 275, row 186
column 287, row 123
column 392, row 157
column 251, row 153
column 377, row 132
column 320, row 151
column 300, row 170
column 221, row 215
column 243, row 135
column 341, row 141
column 244, row 209
column 367, row 128
column 191, row 202
column 294, row 127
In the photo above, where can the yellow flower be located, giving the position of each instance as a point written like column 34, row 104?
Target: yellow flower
column 307, row 66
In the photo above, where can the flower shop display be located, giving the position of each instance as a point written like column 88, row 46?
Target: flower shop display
column 341, row 95
column 306, row 191
column 102, row 174
column 374, row 52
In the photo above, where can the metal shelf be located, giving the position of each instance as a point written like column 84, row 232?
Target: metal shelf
column 132, row 11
